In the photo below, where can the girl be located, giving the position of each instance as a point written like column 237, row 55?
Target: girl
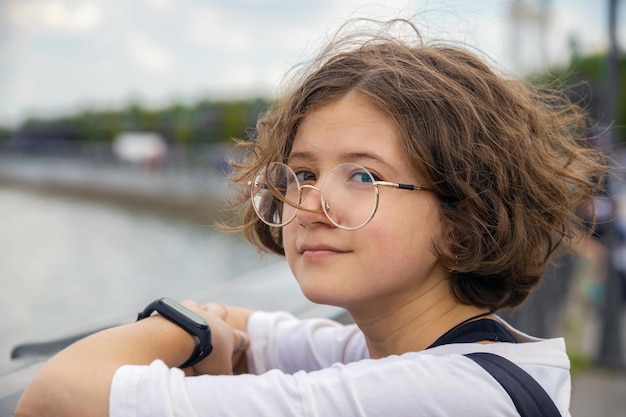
column 403, row 181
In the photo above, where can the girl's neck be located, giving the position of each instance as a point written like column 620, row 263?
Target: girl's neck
column 403, row 329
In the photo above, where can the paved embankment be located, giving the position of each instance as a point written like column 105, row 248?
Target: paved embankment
column 599, row 393
column 196, row 195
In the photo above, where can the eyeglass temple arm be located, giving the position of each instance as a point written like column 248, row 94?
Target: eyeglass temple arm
column 410, row 187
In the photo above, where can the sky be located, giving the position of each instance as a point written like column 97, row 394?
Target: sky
column 58, row 57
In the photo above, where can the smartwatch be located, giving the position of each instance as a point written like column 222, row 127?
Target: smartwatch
column 186, row 320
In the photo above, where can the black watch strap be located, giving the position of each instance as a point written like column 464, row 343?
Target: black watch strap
column 196, row 356
column 187, row 320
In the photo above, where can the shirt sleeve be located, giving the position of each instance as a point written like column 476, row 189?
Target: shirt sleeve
column 280, row 341
column 411, row 385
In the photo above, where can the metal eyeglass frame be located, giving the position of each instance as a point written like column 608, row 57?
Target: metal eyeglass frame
column 324, row 204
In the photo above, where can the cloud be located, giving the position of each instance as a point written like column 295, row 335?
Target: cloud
column 59, row 16
column 149, row 55
column 212, row 28
column 160, row 5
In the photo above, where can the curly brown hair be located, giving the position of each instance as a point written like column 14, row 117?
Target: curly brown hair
column 507, row 160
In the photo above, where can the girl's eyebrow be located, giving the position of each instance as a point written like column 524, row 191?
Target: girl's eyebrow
column 301, row 156
column 344, row 157
column 360, row 156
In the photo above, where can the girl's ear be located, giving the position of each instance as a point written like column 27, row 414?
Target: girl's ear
column 445, row 243
column 447, row 240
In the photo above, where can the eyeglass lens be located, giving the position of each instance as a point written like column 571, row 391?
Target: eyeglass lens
column 348, row 195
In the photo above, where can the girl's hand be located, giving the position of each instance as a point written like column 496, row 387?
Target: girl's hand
column 229, row 344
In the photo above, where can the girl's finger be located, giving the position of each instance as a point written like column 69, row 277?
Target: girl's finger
column 216, row 309
column 241, row 341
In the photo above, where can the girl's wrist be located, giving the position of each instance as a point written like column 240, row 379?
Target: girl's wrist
column 166, row 341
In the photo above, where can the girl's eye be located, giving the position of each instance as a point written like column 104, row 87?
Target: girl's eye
column 362, row 176
column 305, row 176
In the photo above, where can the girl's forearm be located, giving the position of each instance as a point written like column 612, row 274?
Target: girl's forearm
column 77, row 381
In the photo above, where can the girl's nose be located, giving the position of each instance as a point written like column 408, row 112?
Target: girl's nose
column 310, row 209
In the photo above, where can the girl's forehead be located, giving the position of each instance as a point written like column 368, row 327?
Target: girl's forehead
column 346, row 145
column 349, row 125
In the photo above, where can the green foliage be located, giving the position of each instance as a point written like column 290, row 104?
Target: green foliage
column 579, row 362
column 5, row 135
column 586, row 79
column 201, row 123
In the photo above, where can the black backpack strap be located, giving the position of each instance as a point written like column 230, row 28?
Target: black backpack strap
column 476, row 331
column 529, row 397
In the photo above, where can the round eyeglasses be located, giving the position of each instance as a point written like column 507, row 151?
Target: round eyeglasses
column 348, row 194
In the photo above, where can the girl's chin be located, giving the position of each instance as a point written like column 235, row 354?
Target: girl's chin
column 323, row 284
column 318, row 295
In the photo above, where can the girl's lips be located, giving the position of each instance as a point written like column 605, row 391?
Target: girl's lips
column 319, row 251
column 319, row 248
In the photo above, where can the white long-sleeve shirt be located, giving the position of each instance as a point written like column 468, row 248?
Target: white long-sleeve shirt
column 321, row 368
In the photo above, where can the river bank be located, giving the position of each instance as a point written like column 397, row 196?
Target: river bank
column 198, row 196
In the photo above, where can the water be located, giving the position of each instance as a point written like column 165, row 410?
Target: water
column 67, row 266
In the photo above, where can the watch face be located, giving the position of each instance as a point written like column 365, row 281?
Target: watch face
column 184, row 311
